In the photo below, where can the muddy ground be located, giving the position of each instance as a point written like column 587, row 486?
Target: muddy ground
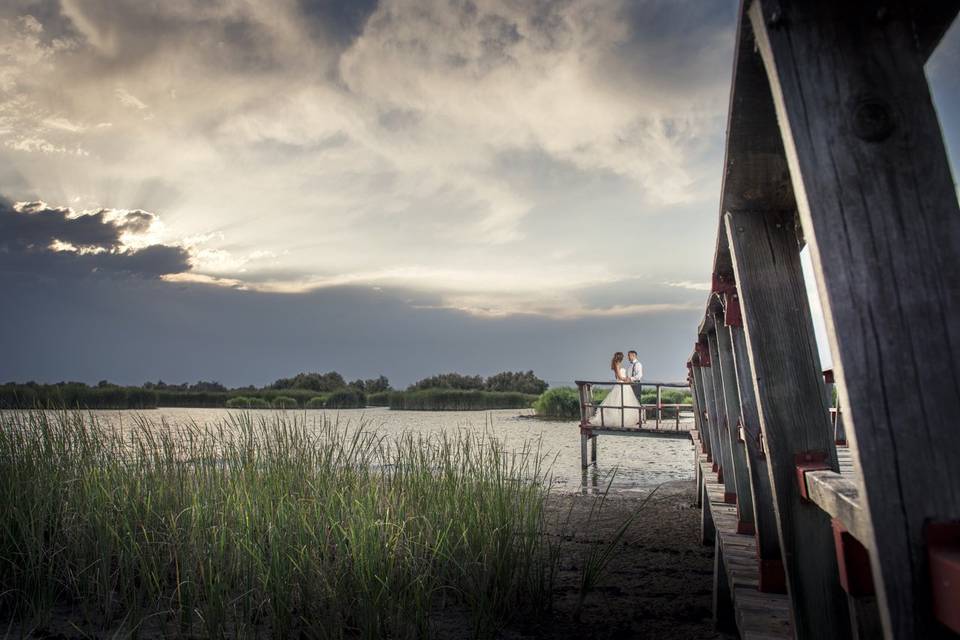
column 658, row 581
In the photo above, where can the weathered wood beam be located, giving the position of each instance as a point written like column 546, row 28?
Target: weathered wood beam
column 710, row 436
column 728, row 377
column 717, row 418
column 772, row 578
column 792, row 410
column 727, row 437
column 879, row 211
column 840, row 498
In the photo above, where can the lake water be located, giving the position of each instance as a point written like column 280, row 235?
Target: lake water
column 640, row 462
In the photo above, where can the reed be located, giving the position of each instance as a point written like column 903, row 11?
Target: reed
column 266, row 524
column 559, row 403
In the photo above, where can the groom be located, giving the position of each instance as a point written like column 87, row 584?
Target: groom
column 634, row 372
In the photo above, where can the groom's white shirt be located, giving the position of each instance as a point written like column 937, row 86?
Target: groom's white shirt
column 634, row 370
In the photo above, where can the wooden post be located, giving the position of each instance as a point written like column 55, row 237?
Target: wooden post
column 879, row 212
column 701, row 417
column 726, row 441
column 772, row 578
column 659, row 402
column 790, row 402
column 707, row 436
column 708, row 530
column 584, row 391
column 731, row 403
column 583, row 450
column 724, row 615
column 721, row 451
column 593, row 449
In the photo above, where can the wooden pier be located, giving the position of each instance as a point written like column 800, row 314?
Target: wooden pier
column 833, row 522
column 594, row 420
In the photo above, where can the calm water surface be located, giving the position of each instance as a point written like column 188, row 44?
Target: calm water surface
column 640, row 463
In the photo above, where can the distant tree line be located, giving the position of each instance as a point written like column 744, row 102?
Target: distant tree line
column 506, row 381
column 304, row 390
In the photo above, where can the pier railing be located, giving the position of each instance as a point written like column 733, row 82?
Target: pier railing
column 833, row 142
column 589, row 407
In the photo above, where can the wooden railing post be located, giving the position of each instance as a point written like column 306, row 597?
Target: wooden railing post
column 730, row 471
column 745, row 523
column 721, row 449
column 879, row 212
column 793, row 416
column 772, row 578
column 718, row 418
column 659, row 407
column 706, row 436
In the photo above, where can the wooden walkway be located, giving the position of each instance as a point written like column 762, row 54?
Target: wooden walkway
column 833, row 144
column 739, row 604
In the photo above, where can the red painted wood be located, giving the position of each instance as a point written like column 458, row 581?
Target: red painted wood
column 943, row 552
column 853, row 562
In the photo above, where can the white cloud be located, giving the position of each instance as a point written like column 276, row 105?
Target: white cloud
column 127, row 99
column 687, row 284
column 290, row 161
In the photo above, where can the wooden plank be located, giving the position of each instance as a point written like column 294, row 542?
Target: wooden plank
column 755, row 614
column 839, row 497
column 650, row 433
column 705, row 427
column 792, row 410
column 732, row 408
column 879, row 211
column 765, row 519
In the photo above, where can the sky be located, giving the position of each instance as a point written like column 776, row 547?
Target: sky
column 238, row 191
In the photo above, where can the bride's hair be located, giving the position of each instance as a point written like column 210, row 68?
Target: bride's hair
column 617, row 359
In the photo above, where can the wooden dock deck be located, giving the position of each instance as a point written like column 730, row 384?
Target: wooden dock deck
column 833, row 143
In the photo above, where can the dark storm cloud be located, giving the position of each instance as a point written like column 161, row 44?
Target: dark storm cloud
column 39, row 240
column 338, row 20
column 133, row 330
column 35, row 226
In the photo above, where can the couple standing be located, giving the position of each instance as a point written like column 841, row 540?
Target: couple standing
column 622, row 395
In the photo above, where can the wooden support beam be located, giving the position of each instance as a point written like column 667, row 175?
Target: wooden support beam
column 745, row 522
column 697, row 415
column 772, row 578
column 708, row 436
column 724, row 614
column 727, row 438
column 879, row 212
column 792, row 410
column 721, row 446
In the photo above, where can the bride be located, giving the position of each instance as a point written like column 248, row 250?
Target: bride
column 610, row 407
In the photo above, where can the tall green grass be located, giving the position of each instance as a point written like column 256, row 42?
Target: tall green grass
column 273, row 525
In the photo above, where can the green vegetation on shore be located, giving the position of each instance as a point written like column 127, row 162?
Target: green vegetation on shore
column 446, row 392
column 563, row 403
column 274, row 526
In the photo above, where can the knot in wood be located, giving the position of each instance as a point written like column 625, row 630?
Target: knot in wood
column 872, row 119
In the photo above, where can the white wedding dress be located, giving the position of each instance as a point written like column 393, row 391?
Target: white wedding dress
column 610, row 411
